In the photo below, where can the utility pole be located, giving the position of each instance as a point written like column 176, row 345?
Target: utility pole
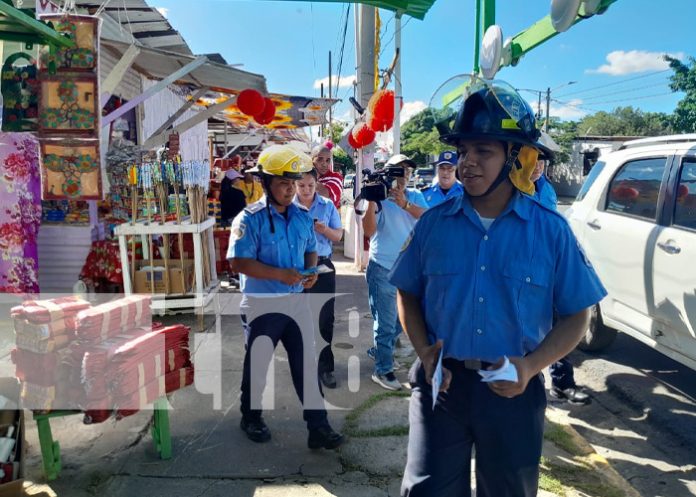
column 396, row 148
column 548, row 106
column 539, row 107
column 321, row 128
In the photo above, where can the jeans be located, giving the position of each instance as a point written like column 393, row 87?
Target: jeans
column 386, row 328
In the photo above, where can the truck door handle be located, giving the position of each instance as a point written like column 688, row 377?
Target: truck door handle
column 669, row 247
column 594, row 225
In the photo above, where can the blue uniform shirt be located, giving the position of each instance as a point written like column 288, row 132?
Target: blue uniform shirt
column 545, row 194
column 492, row 293
column 325, row 211
column 394, row 225
column 435, row 196
column 251, row 238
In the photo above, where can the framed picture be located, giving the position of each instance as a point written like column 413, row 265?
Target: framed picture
column 83, row 57
column 69, row 104
column 70, row 170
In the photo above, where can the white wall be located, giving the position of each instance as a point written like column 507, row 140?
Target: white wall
column 157, row 109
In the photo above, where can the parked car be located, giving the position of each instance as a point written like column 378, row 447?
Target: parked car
column 635, row 218
column 423, row 177
column 348, row 181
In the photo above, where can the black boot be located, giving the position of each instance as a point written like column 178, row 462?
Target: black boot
column 324, row 437
column 255, row 429
column 328, row 379
column 573, row 395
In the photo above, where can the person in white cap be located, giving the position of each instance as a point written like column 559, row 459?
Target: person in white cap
column 388, row 227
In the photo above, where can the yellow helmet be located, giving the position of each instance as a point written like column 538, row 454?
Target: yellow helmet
column 284, row 161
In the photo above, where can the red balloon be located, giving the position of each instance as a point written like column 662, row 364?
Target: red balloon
column 266, row 117
column 363, row 135
column 250, row 102
column 381, row 106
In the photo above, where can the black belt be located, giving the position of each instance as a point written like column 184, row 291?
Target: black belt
column 324, row 259
column 472, row 364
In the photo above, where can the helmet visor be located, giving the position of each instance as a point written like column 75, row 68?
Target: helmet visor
column 449, row 98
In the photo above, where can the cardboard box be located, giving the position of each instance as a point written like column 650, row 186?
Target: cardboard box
column 165, row 283
column 9, row 387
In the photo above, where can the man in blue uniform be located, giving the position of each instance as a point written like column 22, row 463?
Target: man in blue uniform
column 563, row 384
column 447, row 185
column 388, row 228
column 488, row 305
column 273, row 247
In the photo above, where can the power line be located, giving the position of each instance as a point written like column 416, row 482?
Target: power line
column 594, row 104
column 615, row 83
column 343, row 46
column 627, row 90
column 384, row 46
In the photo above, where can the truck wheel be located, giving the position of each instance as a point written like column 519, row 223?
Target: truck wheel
column 598, row 336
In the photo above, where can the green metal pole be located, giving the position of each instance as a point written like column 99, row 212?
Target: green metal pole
column 477, row 36
column 488, row 14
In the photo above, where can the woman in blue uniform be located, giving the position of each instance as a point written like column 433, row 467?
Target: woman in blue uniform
column 273, row 247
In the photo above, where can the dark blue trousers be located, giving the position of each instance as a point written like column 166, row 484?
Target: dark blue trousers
column 505, row 433
column 562, row 374
column 278, row 328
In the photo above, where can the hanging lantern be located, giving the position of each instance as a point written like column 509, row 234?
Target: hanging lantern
column 250, row 102
column 351, row 141
column 378, row 125
column 381, row 109
column 363, row 135
column 268, row 113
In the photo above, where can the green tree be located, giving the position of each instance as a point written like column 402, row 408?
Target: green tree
column 563, row 133
column 684, row 80
column 625, row 121
column 342, row 161
column 420, row 138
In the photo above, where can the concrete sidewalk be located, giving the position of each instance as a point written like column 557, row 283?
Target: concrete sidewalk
column 212, row 457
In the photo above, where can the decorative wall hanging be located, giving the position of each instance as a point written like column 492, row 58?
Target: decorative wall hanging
column 20, row 215
column 84, row 31
column 70, row 169
column 20, row 92
column 68, row 105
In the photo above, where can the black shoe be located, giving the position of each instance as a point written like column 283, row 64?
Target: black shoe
column 328, row 379
column 573, row 395
column 255, row 429
column 324, row 437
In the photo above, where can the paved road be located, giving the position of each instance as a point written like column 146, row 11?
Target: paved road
column 643, row 416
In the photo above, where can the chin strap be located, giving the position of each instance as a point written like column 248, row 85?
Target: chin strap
column 505, row 171
column 266, row 182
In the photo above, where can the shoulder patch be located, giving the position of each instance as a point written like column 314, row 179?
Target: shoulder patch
column 238, row 230
column 254, row 208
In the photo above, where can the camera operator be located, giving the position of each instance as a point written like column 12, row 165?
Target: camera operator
column 388, row 226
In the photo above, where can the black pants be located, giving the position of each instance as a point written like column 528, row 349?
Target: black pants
column 562, row 375
column 278, row 328
column 506, row 433
column 326, row 284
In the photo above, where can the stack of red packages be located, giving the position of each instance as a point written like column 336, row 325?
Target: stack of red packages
column 137, row 367
column 105, row 321
column 44, row 331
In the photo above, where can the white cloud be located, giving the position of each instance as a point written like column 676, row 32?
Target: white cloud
column 620, row 62
column 342, row 83
column 163, row 10
column 569, row 111
column 410, row 109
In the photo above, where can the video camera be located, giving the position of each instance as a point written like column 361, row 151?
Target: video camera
column 376, row 184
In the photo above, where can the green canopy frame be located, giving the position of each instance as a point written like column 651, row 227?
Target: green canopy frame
column 16, row 25
column 413, row 8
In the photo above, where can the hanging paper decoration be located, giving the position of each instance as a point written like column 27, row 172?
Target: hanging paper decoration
column 380, row 110
column 71, row 170
column 352, row 142
column 84, row 31
column 363, row 135
column 68, row 105
column 250, row 102
column 20, row 90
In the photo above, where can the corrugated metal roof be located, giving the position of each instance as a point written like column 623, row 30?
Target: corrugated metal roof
column 158, row 64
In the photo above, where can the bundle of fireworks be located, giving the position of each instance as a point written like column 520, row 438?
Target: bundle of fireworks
column 129, row 371
column 108, row 320
column 44, row 331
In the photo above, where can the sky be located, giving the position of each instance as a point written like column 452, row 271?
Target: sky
column 613, row 59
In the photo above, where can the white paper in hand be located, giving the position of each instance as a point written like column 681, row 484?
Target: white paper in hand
column 437, row 379
column 324, row 269
column 506, row 372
